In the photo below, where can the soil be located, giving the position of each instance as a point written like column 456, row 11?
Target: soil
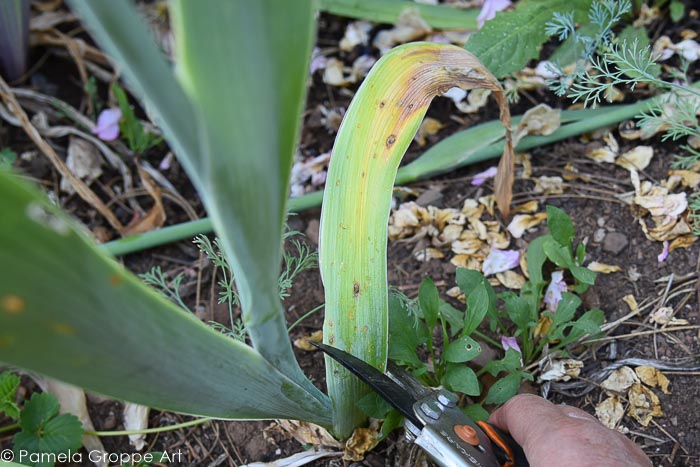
column 673, row 439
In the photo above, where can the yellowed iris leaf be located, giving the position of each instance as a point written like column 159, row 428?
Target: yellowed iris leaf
column 376, row 131
column 361, row 441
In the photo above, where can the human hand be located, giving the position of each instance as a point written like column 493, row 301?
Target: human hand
column 559, row 435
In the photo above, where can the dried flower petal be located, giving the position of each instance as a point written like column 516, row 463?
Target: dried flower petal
column 603, row 268
column 620, row 380
column 610, row 411
column 522, row 222
column 637, row 158
column 500, row 260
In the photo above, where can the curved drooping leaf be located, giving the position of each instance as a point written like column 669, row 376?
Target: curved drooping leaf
column 378, row 127
column 72, row 313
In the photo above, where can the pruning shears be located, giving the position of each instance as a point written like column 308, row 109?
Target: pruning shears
column 432, row 419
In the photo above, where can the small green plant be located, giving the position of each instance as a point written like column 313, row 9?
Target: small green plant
column 138, row 139
column 580, row 45
column 43, row 433
column 7, row 158
column 694, row 204
column 506, row 43
column 294, row 262
column 542, row 316
column 605, row 62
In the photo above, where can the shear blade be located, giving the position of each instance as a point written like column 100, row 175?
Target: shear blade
column 393, row 393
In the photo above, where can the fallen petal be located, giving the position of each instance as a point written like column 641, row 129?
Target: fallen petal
column 652, row 377
column 500, row 260
column 522, row 222
column 489, row 10
column 603, row 268
column 664, row 253
column 560, row 370
column 637, row 158
column 644, row 404
column 610, row 411
column 107, row 128
column 481, row 177
column 620, row 380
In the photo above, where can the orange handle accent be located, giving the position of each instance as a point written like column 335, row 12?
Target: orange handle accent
column 500, row 442
column 467, row 434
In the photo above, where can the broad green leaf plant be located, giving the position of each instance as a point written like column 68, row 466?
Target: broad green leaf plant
column 230, row 111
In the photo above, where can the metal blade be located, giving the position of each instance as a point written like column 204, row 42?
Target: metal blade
column 387, row 388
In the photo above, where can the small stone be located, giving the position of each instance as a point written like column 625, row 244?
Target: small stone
column 674, row 421
column 599, row 235
column 311, row 231
column 615, row 242
column 429, row 198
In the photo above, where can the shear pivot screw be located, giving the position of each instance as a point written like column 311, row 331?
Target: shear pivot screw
column 431, row 409
column 447, row 399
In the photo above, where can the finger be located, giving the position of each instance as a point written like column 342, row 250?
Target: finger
column 526, row 417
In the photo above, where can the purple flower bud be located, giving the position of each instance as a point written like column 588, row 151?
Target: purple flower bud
column 510, row 343
column 553, row 294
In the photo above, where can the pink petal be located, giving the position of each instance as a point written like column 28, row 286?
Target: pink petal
column 664, row 254
column 481, row 177
column 489, row 10
column 318, row 61
column 553, row 294
column 510, row 343
column 107, row 127
column 500, row 260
